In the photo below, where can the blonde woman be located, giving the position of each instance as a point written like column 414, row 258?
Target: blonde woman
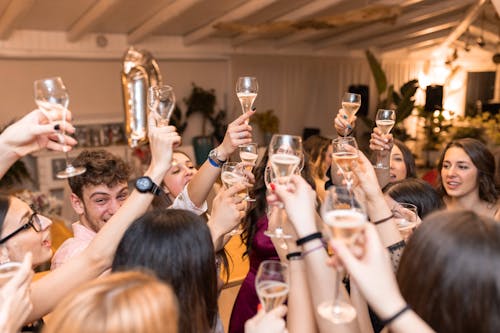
column 123, row 302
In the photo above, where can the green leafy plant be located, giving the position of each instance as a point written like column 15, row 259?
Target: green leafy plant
column 402, row 102
column 203, row 101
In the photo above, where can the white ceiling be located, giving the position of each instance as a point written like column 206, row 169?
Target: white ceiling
column 319, row 25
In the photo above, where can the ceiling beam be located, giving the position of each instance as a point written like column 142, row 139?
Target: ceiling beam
column 411, row 17
column 413, row 41
column 90, row 19
column 15, row 10
column 471, row 15
column 427, row 27
column 307, row 10
column 310, row 34
column 164, row 15
column 249, row 7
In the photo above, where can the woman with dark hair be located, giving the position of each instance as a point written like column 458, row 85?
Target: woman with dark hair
column 177, row 246
column 319, row 150
column 414, row 191
column 466, row 177
column 402, row 163
column 259, row 247
column 458, row 291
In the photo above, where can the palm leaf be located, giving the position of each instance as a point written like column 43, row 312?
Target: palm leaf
column 377, row 72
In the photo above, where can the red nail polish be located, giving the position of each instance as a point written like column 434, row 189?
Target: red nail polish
column 259, row 307
column 273, row 187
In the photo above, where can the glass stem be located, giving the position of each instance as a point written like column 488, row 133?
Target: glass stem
column 336, row 295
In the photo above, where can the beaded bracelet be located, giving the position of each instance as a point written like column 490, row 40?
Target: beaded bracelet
column 294, row 256
column 303, row 240
column 389, row 320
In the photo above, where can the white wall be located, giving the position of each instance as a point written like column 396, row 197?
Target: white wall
column 95, row 85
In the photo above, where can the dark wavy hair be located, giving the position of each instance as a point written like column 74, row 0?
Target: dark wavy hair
column 177, row 246
column 4, row 207
column 102, row 168
column 316, row 147
column 449, row 272
column 417, row 192
column 482, row 159
column 258, row 191
column 409, row 160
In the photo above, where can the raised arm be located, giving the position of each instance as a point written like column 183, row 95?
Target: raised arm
column 238, row 132
column 49, row 290
column 299, row 200
column 382, row 144
column 31, row 133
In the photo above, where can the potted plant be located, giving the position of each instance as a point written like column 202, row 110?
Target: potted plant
column 268, row 124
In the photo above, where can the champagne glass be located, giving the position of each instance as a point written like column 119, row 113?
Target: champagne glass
column 345, row 154
column 277, row 207
column 161, row 101
column 285, row 153
column 406, row 217
column 385, row 120
column 248, row 155
column 246, row 90
column 232, row 174
column 345, row 221
column 350, row 104
column 50, row 96
column 271, row 283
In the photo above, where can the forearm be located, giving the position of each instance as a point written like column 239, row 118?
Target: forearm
column 300, row 316
column 362, row 314
column 410, row 322
column 7, row 156
column 377, row 210
column 200, row 185
column 217, row 235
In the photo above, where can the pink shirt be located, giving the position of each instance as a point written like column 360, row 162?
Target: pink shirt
column 82, row 236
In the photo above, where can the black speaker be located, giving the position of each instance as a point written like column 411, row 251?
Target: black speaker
column 433, row 98
column 364, row 91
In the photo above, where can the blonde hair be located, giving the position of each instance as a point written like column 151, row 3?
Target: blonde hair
column 122, row 302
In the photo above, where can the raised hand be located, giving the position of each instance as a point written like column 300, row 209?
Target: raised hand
column 271, row 322
column 380, row 141
column 342, row 124
column 34, row 132
column 228, row 209
column 15, row 302
column 162, row 141
column 238, row 132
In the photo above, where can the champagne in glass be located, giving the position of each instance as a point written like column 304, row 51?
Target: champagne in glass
column 351, row 104
column 271, row 284
column 51, row 96
column 248, row 154
column 233, row 174
column 385, row 120
column 345, row 155
column 246, row 90
column 161, row 101
column 345, row 221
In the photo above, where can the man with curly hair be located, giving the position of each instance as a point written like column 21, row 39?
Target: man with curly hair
column 96, row 196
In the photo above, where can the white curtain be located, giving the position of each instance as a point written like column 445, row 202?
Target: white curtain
column 307, row 91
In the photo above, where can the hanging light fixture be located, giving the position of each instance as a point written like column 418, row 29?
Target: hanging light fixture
column 480, row 40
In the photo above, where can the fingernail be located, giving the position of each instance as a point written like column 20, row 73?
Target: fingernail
column 345, row 116
column 254, row 108
column 349, row 127
column 259, row 307
column 57, row 127
column 272, row 186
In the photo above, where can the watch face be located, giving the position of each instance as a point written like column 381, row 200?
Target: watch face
column 143, row 184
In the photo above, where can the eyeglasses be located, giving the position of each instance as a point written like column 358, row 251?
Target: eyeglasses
column 33, row 221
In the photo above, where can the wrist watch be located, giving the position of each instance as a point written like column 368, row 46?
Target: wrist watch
column 213, row 158
column 146, row 185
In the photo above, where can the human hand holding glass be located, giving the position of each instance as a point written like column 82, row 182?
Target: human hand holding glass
column 51, row 96
column 406, row 217
column 233, row 174
column 385, row 120
column 161, row 101
column 345, row 221
column 271, row 283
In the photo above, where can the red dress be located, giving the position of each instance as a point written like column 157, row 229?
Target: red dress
column 245, row 306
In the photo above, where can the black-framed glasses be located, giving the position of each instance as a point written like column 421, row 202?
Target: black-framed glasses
column 33, row 222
